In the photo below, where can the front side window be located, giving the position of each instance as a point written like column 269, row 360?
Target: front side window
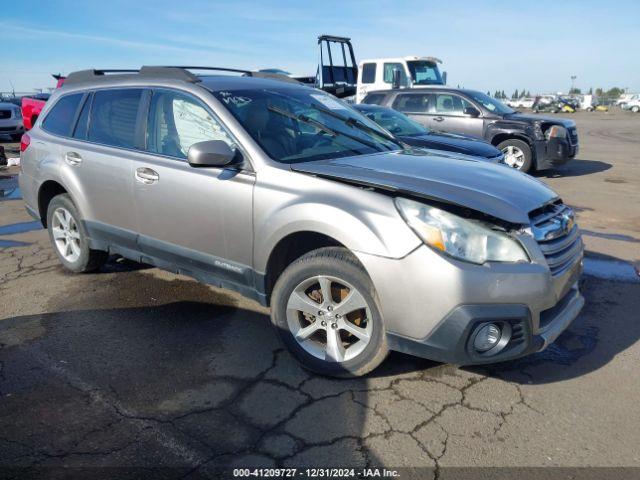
column 114, row 117
column 388, row 73
column 301, row 124
column 414, row 102
column 177, row 121
column 60, row 119
column 369, row 73
column 424, row 73
column 491, row 104
column 447, row 104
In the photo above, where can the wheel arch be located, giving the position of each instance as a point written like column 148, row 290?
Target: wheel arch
column 46, row 192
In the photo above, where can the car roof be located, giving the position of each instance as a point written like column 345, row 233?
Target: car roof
column 369, row 107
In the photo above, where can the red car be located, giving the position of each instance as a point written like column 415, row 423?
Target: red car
column 33, row 105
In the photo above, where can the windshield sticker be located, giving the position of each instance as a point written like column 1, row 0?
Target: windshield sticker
column 236, row 100
column 329, row 102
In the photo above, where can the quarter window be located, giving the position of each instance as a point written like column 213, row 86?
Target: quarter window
column 59, row 120
column 413, row 102
column 177, row 121
column 114, row 117
column 369, row 73
column 447, row 104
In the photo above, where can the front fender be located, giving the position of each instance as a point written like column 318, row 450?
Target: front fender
column 361, row 220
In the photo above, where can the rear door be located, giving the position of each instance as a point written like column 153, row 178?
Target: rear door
column 96, row 164
column 417, row 106
column 199, row 219
column 449, row 115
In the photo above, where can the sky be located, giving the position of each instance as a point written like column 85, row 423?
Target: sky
column 487, row 45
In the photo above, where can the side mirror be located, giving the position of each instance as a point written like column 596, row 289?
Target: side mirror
column 444, row 78
column 397, row 78
column 212, row 153
column 472, row 112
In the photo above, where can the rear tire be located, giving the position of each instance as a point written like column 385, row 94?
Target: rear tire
column 69, row 238
column 635, row 109
column 520, row 151
column 340, row 334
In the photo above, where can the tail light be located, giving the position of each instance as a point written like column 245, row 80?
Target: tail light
column 25, row 141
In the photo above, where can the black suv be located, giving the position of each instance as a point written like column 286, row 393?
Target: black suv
column 529, row 142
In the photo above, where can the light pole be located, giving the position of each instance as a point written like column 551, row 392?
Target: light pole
column 573, row 78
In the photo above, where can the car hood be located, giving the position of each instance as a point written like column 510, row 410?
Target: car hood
column 453, row 143
column 540, row 118
column 492, row 189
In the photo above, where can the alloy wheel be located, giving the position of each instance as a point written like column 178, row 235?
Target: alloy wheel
column 329, row 318
column 513, row 156
column 66, row 235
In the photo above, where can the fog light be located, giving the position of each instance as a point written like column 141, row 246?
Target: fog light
column 487, row 337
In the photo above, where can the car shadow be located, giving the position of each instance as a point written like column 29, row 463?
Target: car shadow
column 575, row 168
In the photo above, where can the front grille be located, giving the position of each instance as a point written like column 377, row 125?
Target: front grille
column 5, row 114
column 558, row 236
column 573, row 135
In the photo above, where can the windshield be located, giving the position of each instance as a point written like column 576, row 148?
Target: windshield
column 395, row 122
column 424, row 73
column 298, row 124
column 491, row 104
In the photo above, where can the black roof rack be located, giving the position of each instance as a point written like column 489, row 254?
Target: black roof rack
column 175, row 72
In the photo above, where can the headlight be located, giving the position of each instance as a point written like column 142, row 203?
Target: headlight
column 463, row 239
column 555, row 131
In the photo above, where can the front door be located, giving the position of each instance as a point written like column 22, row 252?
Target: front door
column 196, row 219
column 449, row 116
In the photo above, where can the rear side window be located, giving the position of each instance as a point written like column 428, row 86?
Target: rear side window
column 80, row 131
column 60, row 119
column 374, row 98
column 114, row 116
column 369, row 73
column 413, row 102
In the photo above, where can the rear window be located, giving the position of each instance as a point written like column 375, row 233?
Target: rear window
column 113, row 117
column 374, row 98
column 60, row 119
column 369, row 73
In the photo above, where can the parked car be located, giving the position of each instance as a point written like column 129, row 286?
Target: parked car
column 528, row 141
column 417, row 135
column 11, row 120
column 292, row 198
column 633, row 105
column 31, row 106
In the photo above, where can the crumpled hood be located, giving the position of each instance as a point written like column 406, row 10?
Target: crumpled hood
column 493, row 189
column 540, row 118
column 453, row 143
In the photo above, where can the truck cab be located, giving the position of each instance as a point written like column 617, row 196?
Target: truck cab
column 378, row 74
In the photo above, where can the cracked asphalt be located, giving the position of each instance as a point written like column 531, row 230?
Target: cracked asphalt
column 135, row 367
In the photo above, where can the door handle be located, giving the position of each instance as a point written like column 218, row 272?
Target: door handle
column 438, row 119
column 146, row 175
column 73, row 158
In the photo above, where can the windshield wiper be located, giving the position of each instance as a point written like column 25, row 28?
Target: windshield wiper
column 354, row 122
column 320, row 126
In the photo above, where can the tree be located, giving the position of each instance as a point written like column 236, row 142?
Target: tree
column 488, row 93
column 528, row 93
column 599, row 92
column 515, row 95
column 521, row 93
column 575, row 90
column 504, row 95
column 590, row 90
column 614, row 92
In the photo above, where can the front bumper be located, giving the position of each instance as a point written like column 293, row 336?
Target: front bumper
column 433, row 306
column 554, row 152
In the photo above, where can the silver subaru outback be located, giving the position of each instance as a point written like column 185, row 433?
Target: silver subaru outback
column 358, row 243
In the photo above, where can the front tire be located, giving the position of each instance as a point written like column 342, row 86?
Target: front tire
column 324, row 309
column 69, row 238
column 635, row 109
column 517, row 154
